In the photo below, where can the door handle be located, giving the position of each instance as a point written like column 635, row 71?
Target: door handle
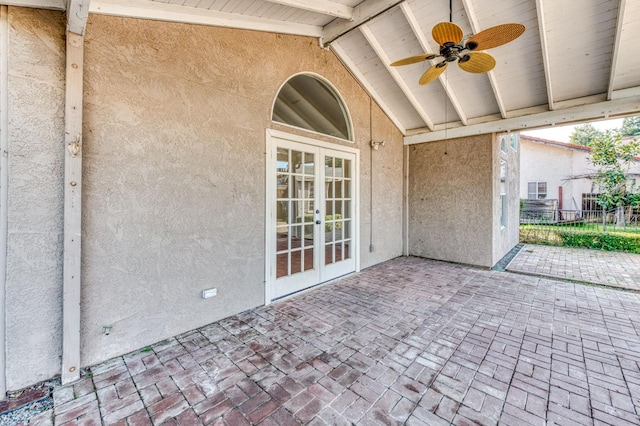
column 318, row 222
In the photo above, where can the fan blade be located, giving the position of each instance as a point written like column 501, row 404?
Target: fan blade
column 432, row 73
column 413, row 59
column 495, row 36
column 447, row 31
column 477, row 62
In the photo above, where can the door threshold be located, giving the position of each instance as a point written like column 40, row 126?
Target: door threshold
column 308, row 289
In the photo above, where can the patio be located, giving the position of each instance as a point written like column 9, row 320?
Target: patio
column 608, row 268
column 408, row 341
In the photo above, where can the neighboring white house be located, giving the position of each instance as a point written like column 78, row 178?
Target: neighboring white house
column 551, row 170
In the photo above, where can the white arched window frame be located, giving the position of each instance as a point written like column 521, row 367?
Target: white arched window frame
column 309, row 102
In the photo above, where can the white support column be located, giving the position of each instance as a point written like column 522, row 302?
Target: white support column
column 4, row 194
column 72, row 209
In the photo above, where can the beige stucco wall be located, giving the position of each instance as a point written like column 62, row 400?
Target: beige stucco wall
column 451, row 200
column 36, row 159
column 174, row 173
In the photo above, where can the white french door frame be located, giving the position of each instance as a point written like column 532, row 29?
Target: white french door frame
column 272, row 137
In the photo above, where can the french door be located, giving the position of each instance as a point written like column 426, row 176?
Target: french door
column 310, row 215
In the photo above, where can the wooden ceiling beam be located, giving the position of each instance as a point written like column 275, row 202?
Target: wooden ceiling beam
column 475, row 27
column 38, row 4
column 616, row 48
column 324, row 7
column 545, row 52
column 528, row 120
column 426, row 46
column 375, row 45
column 348, row 62
column 147, row 9
column 362, row 13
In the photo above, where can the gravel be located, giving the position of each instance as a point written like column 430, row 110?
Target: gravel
column 26, row 412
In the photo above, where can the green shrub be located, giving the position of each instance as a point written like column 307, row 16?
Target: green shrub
column 588, row 237
column 597, row 240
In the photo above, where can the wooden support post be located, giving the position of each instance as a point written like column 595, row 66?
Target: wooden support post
column 72, row 209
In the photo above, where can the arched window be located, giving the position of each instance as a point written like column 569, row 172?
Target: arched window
column 310, row 103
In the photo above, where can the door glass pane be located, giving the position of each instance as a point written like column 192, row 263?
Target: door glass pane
column 328, row 254
column 346, row 253
column 308, row 234
column 347, row 188
column 282, row 265
column 296, row 162
column 282, row 161
column 309, row 164
column 282, row 186
column 297, row 187
column 346, row 229
column 328, row 188
column 296, row 261
column 338, row 209
column 308, row 259
column 346, row 213
column 329, row 208
column 328, row 166
column 338, row 225
column 338, row 252
column 338, row 188
column 308, row 187
column 347, row 169
column 282, row 238
column 296, row 235
column 308, row 207
column 282, row 212
column 328, row 231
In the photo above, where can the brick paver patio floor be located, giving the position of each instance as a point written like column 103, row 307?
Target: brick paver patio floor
column 590, row 266
column 409, row 341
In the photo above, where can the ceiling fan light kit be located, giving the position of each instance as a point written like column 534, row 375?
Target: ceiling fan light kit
column 453, row 48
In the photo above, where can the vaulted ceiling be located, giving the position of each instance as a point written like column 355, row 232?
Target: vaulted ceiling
column 576, row 61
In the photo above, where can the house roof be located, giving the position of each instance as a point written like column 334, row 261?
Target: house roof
column 576, row 60
column 558, row 144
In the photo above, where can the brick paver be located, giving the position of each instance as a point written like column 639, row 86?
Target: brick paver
column 410, row 341
column 609, row 268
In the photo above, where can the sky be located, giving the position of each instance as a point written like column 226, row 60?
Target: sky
column 562, row 133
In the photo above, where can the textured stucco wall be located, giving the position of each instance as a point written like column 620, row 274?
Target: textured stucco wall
column 507, row 236
column 451, row 202
column 35, row 206
column 174, row 169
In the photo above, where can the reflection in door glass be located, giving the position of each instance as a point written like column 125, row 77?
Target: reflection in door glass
column 328, row 254
column 296, row 162
column 308, row 259
column 296, row 261
column 295, row 215
column 282, row 162
column 309, row 164
column 282, row 265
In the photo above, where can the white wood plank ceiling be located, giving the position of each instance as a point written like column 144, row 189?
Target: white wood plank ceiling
column 577, row 60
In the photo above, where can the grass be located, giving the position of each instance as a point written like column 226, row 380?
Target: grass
column 587, row 235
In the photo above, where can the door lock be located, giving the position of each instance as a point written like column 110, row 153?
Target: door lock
column 318, row 222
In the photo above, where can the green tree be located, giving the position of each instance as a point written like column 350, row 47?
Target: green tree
column 612, row 158
column 584, row 134
column 631, row 126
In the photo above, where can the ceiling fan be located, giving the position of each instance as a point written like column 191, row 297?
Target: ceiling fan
column 453, row 48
